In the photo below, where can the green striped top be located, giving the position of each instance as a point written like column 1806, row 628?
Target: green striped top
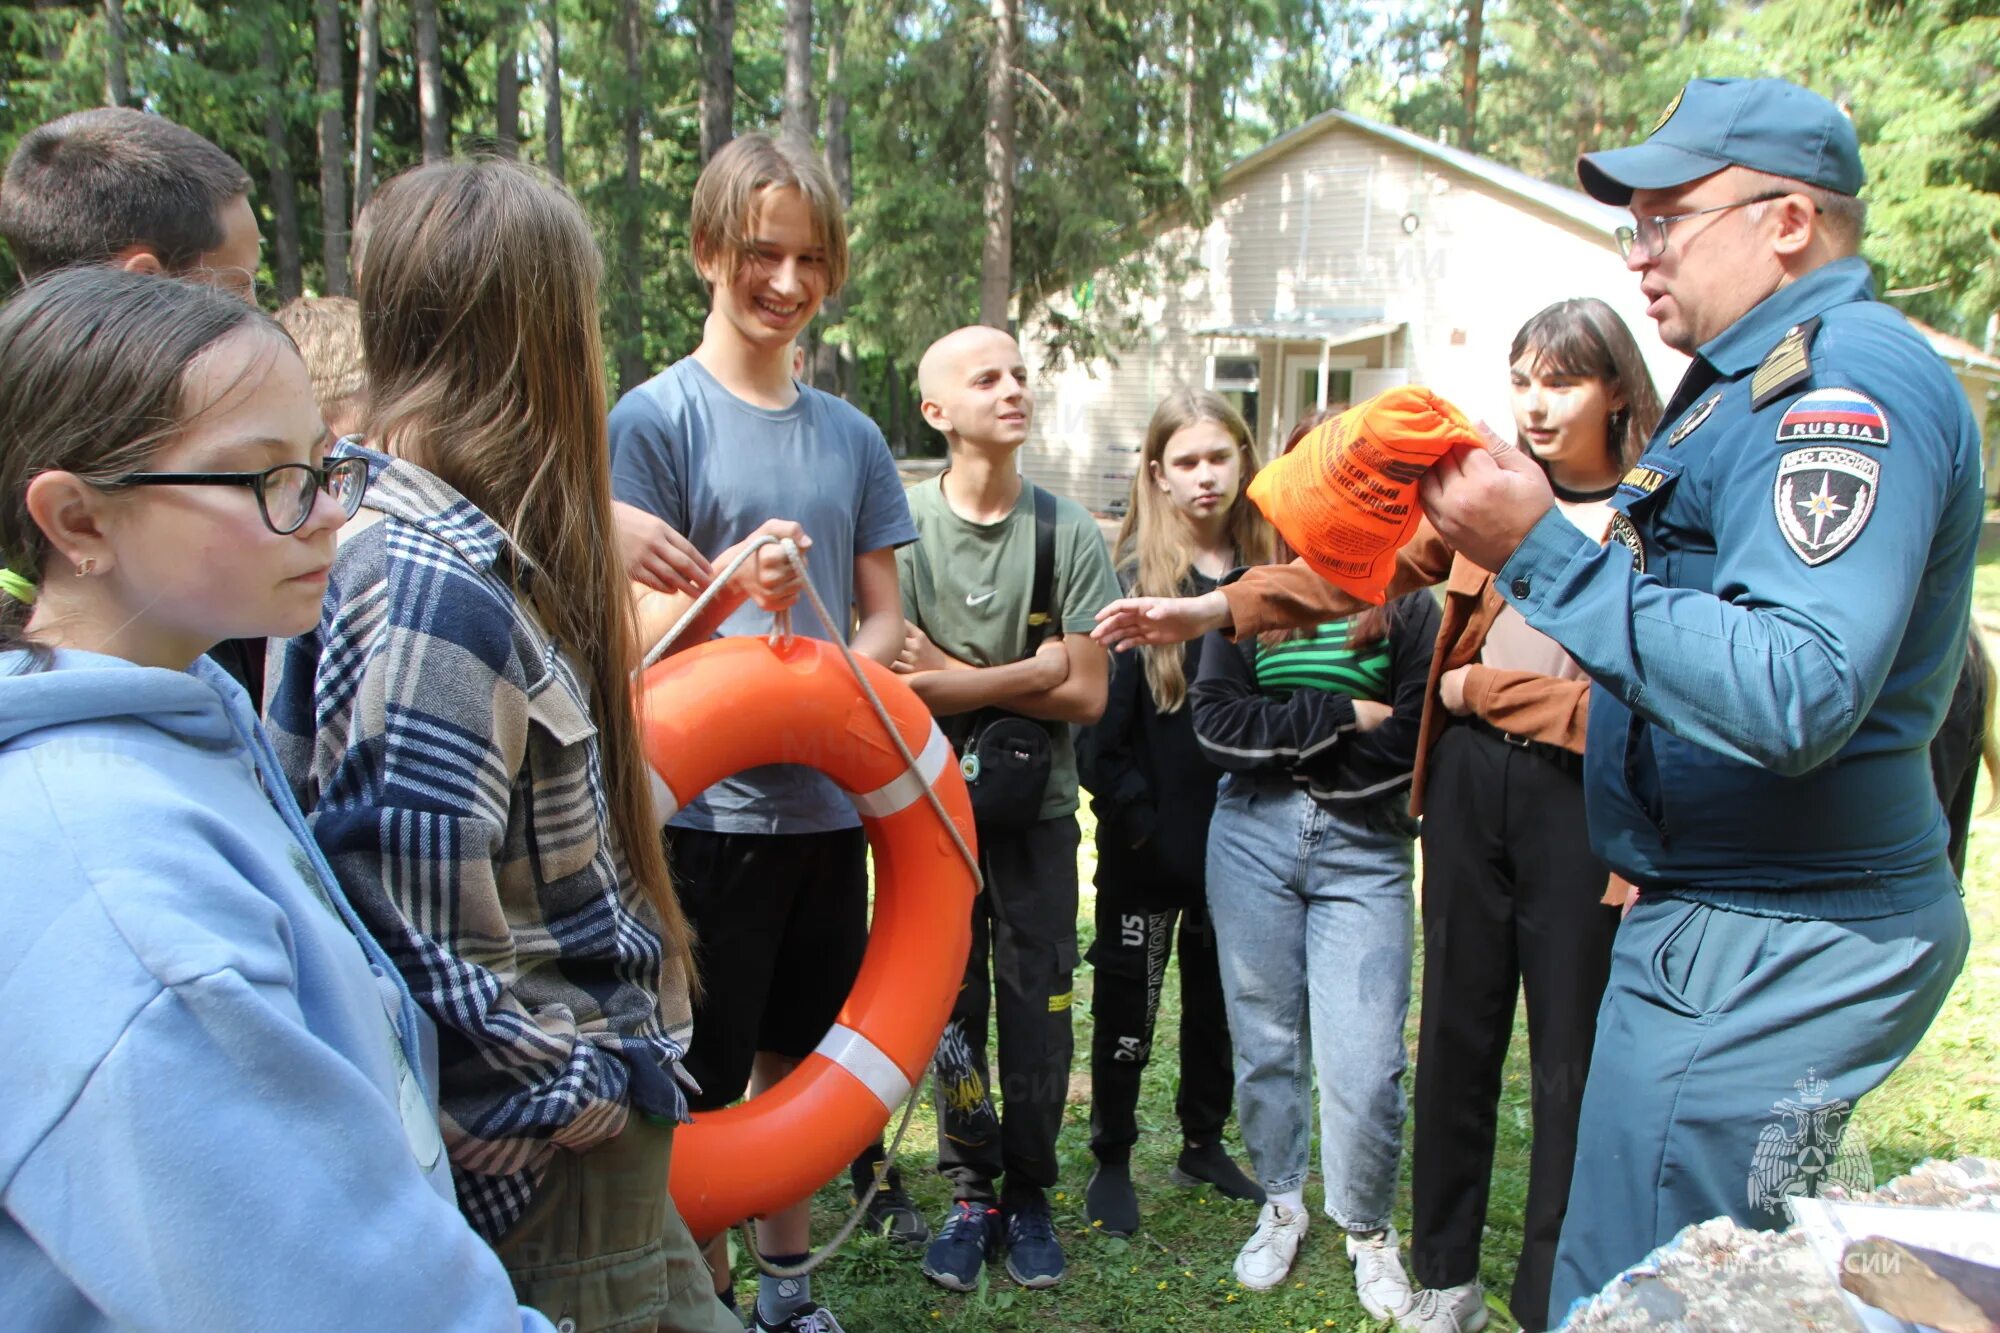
column 1323, row 661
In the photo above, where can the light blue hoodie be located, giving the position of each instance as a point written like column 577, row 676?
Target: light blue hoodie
column 208, row 1115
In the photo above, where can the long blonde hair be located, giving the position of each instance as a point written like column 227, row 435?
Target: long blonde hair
column 479, row 319
column 1155, row 546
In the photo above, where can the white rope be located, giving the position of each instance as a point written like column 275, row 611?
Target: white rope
column 781, row 630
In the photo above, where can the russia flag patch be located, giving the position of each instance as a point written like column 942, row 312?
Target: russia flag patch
column 1834, row 414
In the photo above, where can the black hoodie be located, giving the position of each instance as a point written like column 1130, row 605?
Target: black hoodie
column 1153, row 789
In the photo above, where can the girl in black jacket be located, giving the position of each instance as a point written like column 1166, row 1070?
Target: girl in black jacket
column 1187, row 523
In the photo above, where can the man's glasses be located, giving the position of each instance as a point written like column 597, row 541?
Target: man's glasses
column 285, row 493
column 1650, row 234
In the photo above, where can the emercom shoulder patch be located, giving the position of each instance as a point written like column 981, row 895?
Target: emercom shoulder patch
column 1788, row 366
column 1835, row 414
column 1823, row 498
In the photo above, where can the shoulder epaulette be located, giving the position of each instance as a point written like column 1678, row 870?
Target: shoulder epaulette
column 1787, row 367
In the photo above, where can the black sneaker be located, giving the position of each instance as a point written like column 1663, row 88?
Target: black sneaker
column 890, row 1212
column 814, row 1319
column 1110, row 1202
column 1034, row 1258
column 1209, row 1164
column 969, row 1237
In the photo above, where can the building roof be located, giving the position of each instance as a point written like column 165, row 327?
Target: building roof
column 1575, row 205
column 1962, row 355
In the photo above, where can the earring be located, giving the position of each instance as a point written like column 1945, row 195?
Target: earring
column 86, row 567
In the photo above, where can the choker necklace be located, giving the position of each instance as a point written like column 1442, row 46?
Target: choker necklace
column 1568, row 496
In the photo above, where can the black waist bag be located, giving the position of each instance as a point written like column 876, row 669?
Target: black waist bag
column 1007, row 758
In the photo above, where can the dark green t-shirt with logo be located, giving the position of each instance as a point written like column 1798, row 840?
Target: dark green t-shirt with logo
column 968, row 584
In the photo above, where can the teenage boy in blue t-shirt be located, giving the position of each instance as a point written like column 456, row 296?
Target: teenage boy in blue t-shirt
column 771, row 865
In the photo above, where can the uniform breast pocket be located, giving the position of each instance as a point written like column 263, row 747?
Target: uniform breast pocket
column 565, row 814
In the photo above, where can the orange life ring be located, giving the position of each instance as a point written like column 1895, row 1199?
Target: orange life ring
column 735, row 703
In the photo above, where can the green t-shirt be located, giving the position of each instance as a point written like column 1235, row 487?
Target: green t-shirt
column 967, row 584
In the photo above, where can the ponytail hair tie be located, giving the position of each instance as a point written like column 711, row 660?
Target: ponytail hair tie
column 19, row 588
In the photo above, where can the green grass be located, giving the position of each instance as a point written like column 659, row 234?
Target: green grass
column 1944, row 1102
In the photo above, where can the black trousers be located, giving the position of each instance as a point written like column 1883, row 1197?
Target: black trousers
column 1134, row 939
column 1511, row 901
column 1021, row 971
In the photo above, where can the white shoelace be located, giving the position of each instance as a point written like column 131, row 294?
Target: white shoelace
column 1266, row 1234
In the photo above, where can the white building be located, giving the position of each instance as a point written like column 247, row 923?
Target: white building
column 1340, row 259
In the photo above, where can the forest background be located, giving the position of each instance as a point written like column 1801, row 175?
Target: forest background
column 993, row 151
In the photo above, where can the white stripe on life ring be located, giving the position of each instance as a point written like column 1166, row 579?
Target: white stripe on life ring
column 864, row 1059
column 907, row 787
column 665, row 804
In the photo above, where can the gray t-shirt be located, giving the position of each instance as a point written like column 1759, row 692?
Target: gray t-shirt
column 968, row 584
column 715, row 467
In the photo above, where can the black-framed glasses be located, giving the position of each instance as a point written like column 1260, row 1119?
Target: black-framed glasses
column 285, row 493
column 1650, row 234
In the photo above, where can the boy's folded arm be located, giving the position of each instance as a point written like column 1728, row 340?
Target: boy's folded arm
column 962, row 688
column 1080, row 697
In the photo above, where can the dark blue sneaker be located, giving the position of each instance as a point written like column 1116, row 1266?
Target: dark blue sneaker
column 968, row 1238
column 1034, row 1259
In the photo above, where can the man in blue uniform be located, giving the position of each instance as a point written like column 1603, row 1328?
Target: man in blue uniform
column 1774, row 635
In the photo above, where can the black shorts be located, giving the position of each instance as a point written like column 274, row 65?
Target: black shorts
column 781, row 922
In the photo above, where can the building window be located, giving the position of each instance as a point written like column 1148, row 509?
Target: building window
column 1238, row 373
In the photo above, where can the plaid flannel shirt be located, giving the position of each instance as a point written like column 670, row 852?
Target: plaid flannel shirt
column 442, row 745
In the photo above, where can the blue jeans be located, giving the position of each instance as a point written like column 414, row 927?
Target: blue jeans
column 1313, row 924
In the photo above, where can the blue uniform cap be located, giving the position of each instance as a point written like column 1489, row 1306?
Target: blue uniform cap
column 1765, row 124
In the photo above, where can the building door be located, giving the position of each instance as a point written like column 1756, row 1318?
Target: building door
column 1301, row 381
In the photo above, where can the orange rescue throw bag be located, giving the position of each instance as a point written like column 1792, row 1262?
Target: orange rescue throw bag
column 1345, row 497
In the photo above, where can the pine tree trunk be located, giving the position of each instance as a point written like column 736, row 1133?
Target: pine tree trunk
column 48, row 28
column 833, row 368
column 839, row 145
column 1192, row 175
column 718, row 77
column 332, row 145
column 632, row 217
column 278, row 160
column 430, row 82
column 368, row 71
column 507, row 80
column 117, row 84
column 996, row 260
column 1475, row 29
column 552, row 110
column 801, row 117
column 893, row 378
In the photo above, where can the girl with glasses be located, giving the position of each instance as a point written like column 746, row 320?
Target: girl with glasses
column 460, row 728
column 217, row 1110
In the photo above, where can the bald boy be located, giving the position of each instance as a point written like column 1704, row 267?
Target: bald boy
column 971, row 654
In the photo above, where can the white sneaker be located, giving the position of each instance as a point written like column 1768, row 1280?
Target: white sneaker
column 1460, row 1309
column 1379, row 1279
column 1267, row 1256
